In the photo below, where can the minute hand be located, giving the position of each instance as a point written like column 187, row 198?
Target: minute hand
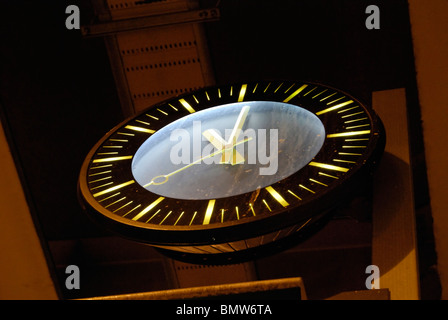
column 238, row 126
column 164, row 177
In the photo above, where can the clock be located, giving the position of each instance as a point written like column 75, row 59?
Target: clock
column 232, row 172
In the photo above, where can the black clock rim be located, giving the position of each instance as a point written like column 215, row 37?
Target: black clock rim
column 229, row 233
column 219, row 233
column 252, row 253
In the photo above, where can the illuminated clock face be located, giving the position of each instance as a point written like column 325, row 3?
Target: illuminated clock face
column 274, row 141
column 228, row 171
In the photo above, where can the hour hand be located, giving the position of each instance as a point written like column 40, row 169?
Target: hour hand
column 230, row 155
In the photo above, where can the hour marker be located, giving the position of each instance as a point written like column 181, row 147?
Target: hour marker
column 126, row 134
column 252, row 209
column 237, row 213
column 327, row 175
column 310, row 91
column 152, row 117
column 349, row 154
column 265, row 89
column 277, row 196
column 113, row 147
column 135, row 208
column 278, row 87
column 222, row 215
column 125, row 205
column 112, row 159
column 353, row 147
column 255, row 88
column 328, row 166
column 219, row 93
column 173, row 107
column 187, row 106
column 148, row 208
column 348, row 109
column 358, row 126
column 140, row 129
column 351, row 140
column 111, row 204
column 143, row 122
column 114, row 195
column 242, row 92
column 352, row 114
column 346, row 161
column 101, row 186
column 327, row 97
column 318, row 182
column 266, row 204
column 348, row 134
column 209, row 211
column 194, row 216
column 101, row 179
column 150, row 218
column 119, row 140
column 103, row 166
column 98, row 173
column 122, row 185
column 319, row 93
column 182, row 213
column 307, row 189
column 333, row 101
column 290, row 87
column 355, row 120
column 165, row 217
column 295, row 93
column 294, row 195
column 335, row 107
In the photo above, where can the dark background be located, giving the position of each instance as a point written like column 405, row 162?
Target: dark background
column 58, row 96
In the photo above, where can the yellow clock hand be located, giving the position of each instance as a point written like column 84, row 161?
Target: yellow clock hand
column 238, row 125
column 164, row 177
column 230, row 156
column 219, row 143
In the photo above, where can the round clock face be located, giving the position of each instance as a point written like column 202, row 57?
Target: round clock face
column 181, row 154
column 228, row 171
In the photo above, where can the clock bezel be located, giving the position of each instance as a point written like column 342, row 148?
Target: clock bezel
column 233, row 230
